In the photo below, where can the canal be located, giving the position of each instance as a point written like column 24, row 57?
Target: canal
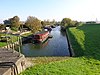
column 55, row 46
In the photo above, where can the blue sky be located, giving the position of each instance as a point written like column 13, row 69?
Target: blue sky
column 81, row 10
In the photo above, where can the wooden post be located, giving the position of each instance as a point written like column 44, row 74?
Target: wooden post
column 7, row 43
column 12, row 44
column 20, row 43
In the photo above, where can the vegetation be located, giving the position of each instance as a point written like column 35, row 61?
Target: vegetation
column 2, row 44
column 85, row 42
column 4, row 39
column 2, row 26
column 33, row 23
column 48, row 22
column 45, row 60
column 67, row 22
column 27, row 34
column 45, row 23
column 72, row 66
column 14, row 23
column 91, row 22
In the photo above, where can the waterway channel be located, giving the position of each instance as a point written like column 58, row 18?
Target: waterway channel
column 55, row 46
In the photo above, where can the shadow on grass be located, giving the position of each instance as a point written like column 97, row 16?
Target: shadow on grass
column 91, row 41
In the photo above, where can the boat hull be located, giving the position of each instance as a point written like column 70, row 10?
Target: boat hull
column 41, row 37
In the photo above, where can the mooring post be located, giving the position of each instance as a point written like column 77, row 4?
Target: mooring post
column 12, row 43
column 20, row 44
column 7, row 43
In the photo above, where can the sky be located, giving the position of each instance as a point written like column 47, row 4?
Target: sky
column 80, row 10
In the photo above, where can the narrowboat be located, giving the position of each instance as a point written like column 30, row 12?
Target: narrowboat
column 52, row 26
column 41, row 36
column 48, row 28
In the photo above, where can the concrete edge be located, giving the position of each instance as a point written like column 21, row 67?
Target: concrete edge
column 20, row 65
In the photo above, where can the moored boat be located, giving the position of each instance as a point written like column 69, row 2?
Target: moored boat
column 41, row 36
column 48, row 28
column 52, row 26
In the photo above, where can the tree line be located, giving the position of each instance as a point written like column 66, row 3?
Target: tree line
column 34, row 24
column 67, row 22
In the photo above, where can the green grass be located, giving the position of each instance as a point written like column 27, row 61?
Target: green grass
column 27, row 34
column 45, row 60
column 72, row 66
column 3, row 44
column 13, row 38
column 85, row 41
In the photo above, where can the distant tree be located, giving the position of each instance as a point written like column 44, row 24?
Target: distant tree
column 73, row 23
column 48, row 22
column 53, row 22
column 33, row 23
column 7, row 22
column 14, row 23
column 66, row 22
column 58, row 23
column 2, row 26
column 91, row 22
column 42, row 23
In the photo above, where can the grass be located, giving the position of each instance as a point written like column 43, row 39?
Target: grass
column 45, row 60
column 27, row 34
column 85, row 41
column 72, row 66
column 3, row 44
column 13, row 38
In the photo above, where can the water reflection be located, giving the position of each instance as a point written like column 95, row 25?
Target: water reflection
column 56, row 46
column 40, row 45
column 62, row 33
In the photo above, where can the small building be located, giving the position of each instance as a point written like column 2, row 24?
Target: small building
column 90, row 22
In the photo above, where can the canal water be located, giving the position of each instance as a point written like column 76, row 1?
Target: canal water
column 56, row 46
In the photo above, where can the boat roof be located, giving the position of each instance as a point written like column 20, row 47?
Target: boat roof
column 40, row 33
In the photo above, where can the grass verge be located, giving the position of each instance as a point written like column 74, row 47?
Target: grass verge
column 12, row 39
column 27, row 34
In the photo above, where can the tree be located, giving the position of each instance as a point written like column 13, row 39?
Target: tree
column 14, row 23
column 73, row 23
column 2, row 26
column 33, row 23
column 43, row 23
column 53, row 21
column 6, row 22
column 48, row 22
column 66, row 22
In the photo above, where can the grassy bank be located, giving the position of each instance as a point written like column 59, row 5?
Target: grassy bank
column 72, row 66
column 12, row 39
column 85, row 41
column 27, row 34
